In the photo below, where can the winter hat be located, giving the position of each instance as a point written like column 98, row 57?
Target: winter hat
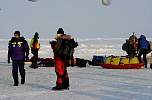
column 60, row 31
column 142, row 37
column 17, row 32
column 36, row 35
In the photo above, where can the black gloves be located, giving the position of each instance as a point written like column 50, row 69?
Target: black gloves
column 8, row 60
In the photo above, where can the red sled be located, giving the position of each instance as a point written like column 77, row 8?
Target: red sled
column 123, row 66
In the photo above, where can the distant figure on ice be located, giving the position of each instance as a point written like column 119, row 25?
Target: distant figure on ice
column 143, row 48
column 18, row 50
column 134, row 42
column 130, row 46
column 63, row 49
column 35, row 46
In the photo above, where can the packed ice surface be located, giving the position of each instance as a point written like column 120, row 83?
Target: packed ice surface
column 91, row 83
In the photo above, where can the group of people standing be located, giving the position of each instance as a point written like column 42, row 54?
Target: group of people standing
column 138, row 47
column 63, row 49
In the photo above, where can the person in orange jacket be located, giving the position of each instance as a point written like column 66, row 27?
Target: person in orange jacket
column 63, row 51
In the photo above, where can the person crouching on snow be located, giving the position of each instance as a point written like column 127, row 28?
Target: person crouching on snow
column 62, row 54
column 35, row 46
column 18, row 51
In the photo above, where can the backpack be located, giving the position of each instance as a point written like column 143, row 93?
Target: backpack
column 65, row 48
column 81, row 62
column 62, row 49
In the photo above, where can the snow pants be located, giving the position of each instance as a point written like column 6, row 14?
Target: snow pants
column 144, row 53
column 34, row 58
column 15, row 66
column 61, row 72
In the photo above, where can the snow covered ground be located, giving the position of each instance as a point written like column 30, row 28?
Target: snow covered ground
column 90, row 83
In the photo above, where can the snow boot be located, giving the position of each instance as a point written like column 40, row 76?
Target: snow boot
column 23, row 79
column 151, row 66
column 15, row 80
column 66, row 84
column 34, row 65
column 57, row 88
column 145, row 66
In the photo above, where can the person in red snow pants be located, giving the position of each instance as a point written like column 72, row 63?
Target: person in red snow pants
column 62, row 75
column 63, row 49
column 60, row 63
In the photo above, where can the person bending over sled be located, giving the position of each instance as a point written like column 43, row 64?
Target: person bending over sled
column 18, row 50
column 63, row 49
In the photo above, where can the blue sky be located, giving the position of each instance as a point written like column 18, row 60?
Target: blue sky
column 80, row 18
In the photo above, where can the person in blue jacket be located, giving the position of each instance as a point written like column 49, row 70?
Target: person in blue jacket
column 143, row 48
column 18, row 51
